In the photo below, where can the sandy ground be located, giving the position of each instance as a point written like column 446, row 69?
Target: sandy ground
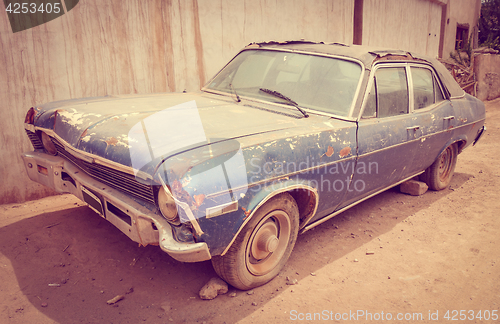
column 428, row 259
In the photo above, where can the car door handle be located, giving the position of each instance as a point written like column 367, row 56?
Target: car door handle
column 449, row 118
column 413, row 128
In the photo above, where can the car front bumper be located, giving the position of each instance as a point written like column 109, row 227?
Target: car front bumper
column 139, row 223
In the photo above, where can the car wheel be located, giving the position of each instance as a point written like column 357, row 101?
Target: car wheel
column 438, row 175
column 262, row 248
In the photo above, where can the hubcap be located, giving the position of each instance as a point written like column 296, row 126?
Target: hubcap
column 268, row 243
column 445, row 165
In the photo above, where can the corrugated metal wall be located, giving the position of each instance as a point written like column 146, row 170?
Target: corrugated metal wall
column 133, row 46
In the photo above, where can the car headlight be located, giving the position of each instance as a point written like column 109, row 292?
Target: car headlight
column 167, row 206
column 48, row 144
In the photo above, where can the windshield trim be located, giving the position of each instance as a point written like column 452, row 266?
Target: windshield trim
column 309, row 110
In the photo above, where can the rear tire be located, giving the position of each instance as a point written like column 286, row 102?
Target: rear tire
column 439, row 174
column 264, row 245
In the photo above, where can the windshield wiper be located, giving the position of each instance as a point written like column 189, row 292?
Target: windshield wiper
column 282, row 96
column 234, row 91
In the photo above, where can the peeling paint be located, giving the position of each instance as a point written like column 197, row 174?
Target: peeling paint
column 199, row 199
column 112, row 141
column 344, row 152
column 247, row 212
column 330, row 151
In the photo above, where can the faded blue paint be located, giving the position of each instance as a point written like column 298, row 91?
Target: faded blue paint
column 252, row 149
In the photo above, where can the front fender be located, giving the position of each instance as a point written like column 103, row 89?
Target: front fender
column 306, row 196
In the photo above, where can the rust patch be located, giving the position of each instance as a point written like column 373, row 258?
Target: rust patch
column 180, row 193
column 176, row 186
column 112, row 141
column 198, row 199
column 345, row 152
column 247, row 212
column 397, row 57
column 329, row 151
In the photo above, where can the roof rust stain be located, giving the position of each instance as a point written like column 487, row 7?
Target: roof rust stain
column 397, row 57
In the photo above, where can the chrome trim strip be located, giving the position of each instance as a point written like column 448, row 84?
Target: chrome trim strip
column 92, row 158
column 324, row 219
column 267, row 198
column 219, row 210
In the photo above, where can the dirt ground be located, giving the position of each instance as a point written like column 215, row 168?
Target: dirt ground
column 395, row 258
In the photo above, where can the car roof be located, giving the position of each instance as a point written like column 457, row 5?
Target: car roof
column 368, row 55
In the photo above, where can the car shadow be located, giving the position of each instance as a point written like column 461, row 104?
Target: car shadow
column 69, row 263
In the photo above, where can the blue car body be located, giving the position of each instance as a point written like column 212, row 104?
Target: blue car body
column 224, row 152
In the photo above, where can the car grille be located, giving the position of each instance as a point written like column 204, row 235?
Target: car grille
column 35, row 140
column 119, row 180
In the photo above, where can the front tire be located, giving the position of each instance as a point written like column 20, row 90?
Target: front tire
column 264, row 245
column 439, row 174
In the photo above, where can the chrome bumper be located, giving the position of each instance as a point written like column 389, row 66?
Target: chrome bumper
column 135, row 220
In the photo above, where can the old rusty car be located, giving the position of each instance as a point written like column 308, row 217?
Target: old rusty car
column 286, row 136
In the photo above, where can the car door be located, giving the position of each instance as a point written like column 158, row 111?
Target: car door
column 388, row 135
column 432, row 113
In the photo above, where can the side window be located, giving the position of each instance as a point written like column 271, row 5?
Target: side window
column 390, row 96
column 423, row 88
column 437, row 90
column 371, row 104
column 426, row 90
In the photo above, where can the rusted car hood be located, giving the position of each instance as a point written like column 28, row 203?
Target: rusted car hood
column 103, row 126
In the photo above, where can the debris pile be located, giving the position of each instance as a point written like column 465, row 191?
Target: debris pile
column 463, row 73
